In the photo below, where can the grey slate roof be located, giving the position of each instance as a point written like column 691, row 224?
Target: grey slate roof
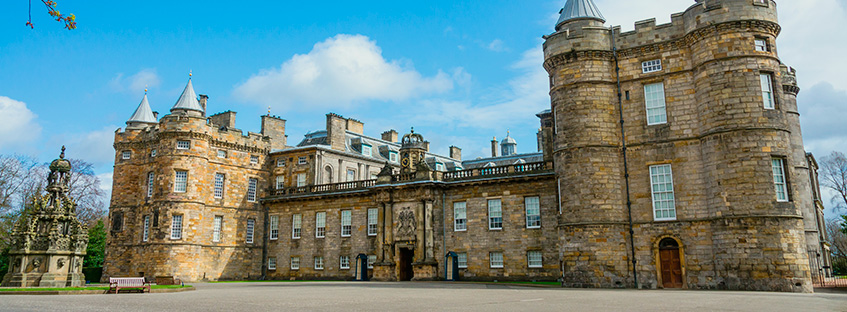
column 188, row 99
column 508, row 140
column 576, row 9
column 143, row 113
column 504, row 160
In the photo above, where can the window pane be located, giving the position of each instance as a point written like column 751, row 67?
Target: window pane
column 320, row 224
column 651, row 66
column 495, row 259
column 767, row 91
column 216, row 231
column 176, row 227
column 146, row 234
column 181, row 181
column 495, row 215
column 460, row 216
column 251, row 189
column 779, row 182
column 274, row 227
column 150, row 180
column 462, row 259
column 534, row 259
column 533, row 212
column 346, row 222
column 219, row 185
column 661, row 181
column 654, row 98
column 250, row 225
column 373, row 215
column 295, row 225
column 295, row 263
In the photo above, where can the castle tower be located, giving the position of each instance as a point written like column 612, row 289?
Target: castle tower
column 143, row 115
column 709, row 146
column 508, row 145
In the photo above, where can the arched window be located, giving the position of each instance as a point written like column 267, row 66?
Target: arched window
column 327, row 174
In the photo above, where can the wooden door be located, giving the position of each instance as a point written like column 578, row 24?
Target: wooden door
column 671, row 267
column 405, row 266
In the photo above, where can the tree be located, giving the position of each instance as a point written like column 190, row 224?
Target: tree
column 833, row 173
column 68, row 20
column 84, row 189
column 96, row 245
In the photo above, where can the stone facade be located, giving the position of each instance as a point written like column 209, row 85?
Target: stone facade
column 709, row 188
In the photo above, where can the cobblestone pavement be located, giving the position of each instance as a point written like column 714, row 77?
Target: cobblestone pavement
column 425, row 296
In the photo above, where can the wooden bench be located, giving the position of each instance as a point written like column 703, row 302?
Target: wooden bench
column 116, row 283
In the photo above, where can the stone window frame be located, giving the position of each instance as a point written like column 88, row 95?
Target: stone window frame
column 302, row 160
column 180, row 183
column 296, row 226
column 221, row 153
column 761, row 44
column 783, row 174
column 769, row 95
column 464, row 223
column 153, row 153
column 280, row 162
column 251, row 230
column 272, row 263
column 273, row 227
column 392, row 156
column 217, row 228
column 353, row 171
column 294, row 263
column 371, row 260
column 145, row 235
column 344, row 262
column 183, row 144
column 280, row 182
column 651, row 66
column 530, row 261
column 218, row 190
column 527, row 214
column 254, row 159
column 373, row 221
column 652, row 99
column 126, row 155
column 654, row 182
column 492, row 219
column 320, row 224
column 151, row 180
column 369, row 149
column 176, row 227
column 319, row 263
column 252, row 189
column 764, row 3
column 301, row 180
column 496, row 260
column 462, row 256
column 346, row 223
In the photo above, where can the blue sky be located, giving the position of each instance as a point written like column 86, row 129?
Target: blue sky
column 460, row 72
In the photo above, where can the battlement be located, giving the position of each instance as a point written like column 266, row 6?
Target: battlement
column 582, row 35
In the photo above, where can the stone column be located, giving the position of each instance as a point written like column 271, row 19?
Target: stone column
column 428, row 239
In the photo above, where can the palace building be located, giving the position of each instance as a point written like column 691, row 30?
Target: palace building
column 671, row 157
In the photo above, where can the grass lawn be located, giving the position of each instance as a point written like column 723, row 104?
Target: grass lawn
column 84, row 288
column 271, row 281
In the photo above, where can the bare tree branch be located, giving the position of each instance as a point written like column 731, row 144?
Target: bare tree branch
column 833, row 172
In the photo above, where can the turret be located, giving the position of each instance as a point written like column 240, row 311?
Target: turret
column 508, row 145
column 143, row 116
column 187, row 103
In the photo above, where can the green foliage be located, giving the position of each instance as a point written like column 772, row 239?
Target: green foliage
column 839, row 266
column 96, row 245
column 4, row 260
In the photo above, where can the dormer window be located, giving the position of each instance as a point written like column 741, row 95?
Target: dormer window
column 366, row 149
column 439, row 166
column 651, row 66
column 392, row 156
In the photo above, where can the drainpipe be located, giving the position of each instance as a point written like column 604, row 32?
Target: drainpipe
column 625, row 167
column 444, row 230
column 265, row 237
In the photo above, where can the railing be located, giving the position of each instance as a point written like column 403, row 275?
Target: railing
column 822, row 275
column 324, row 188
column 496, row 171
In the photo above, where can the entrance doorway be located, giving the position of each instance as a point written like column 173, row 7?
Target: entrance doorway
column 405, row 266
column 671, row 266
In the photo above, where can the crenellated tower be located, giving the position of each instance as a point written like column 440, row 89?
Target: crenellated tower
column 678, row 143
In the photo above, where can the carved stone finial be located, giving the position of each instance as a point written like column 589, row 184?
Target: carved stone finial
column 62, row 155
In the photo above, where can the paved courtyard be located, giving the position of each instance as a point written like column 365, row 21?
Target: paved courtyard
column 423, row 296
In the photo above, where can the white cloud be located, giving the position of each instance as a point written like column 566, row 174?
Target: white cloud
column 94, row 147
column 496, row 45
column 337, row 72
column 823, row 110
column 17, row 123
column 136, row 83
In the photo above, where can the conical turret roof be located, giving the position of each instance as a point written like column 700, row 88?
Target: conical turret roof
column 143, row 113
column 188, row 99
column 579, row 9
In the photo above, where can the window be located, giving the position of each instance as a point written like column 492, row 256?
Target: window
column 251, row 189
column 251, row 223
column 216, row 229
column 533, row 212
column 184, row 145
column 296, row 222
column 295, row 263
column 180, row 181
column 346, row 223
column 761, row 44
column 392, row 156
column 221, row 154
column 146, row 231
column 150, row 180
column 219, row 185
column 779, row 181
column 462, row 259
column 495, row 215
column 654, row 98
column 495, row 260
column 272, row 263
column 651, row 66
column 373, row 216
column 319, row 263
column 371, row 260
column 439, row 166
column 274, row 227
column 320, row 224
column 533, row 259
column 767, row 91
column 301, row 160
column 280, row 162
column 351, row 174
column 460, row 216
column 344, row 262
column 366, row 150
column 254, row 159
column 280, row 182
column 153, row 153
column 661, row 184
column 301, row 179
column 126, row 154
column 176, row 227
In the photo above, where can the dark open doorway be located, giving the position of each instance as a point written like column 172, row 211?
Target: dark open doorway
column 405, row 266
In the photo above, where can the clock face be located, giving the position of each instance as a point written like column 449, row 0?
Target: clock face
column 405, row 162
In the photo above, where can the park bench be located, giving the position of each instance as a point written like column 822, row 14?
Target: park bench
column 117, row 283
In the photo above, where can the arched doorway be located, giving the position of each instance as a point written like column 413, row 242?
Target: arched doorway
column 670, row 263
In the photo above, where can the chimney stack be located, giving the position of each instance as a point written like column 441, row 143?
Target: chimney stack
column 456, row 153
column 203, row 99
column 494, row 147
column 390, row 136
